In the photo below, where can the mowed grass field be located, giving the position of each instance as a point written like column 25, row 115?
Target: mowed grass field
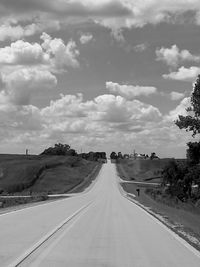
column 42, row 174
column 143, row 170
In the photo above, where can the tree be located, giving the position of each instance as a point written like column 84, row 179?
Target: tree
column 174, row 175
column 191, row 122
column 113, row 155
column 193, row 152
column 58, row 149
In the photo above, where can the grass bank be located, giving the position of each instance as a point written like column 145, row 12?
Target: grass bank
column 38, row 176
column 182, row 218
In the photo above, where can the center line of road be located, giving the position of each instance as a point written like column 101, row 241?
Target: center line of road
column 27, row 253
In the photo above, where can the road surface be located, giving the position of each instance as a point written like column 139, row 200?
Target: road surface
column 93, row 229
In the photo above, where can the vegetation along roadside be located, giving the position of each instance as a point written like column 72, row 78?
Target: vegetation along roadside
column 57, row 170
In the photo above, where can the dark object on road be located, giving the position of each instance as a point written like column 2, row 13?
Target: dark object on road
column 138, row 191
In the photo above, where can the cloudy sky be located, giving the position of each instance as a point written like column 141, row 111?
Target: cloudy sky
column 97, row 74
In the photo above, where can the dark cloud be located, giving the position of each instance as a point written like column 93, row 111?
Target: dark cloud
column 69, row 8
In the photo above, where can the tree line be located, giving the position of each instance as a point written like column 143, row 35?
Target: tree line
column 66, row 150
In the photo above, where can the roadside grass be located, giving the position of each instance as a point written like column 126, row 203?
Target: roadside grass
column 182, row 218
column 63, row 178
column 30, row 175
column 7, row 202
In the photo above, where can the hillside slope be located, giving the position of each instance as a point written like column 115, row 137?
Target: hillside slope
column 143, row 170
column 50, row 174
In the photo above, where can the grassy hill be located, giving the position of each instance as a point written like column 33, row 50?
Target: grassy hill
column 42, row 174
column 143, row 170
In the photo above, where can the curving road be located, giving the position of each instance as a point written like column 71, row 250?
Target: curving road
column 93, row 229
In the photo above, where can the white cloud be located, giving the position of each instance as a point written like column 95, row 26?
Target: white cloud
column 116, row 109
column 16, row 31
column 184, row 74
column 174, row 56
column 23, row 53
column 52, row 54
column 104, row 113
column 130, row 91
column 86, row 38
column 176, row 96
column 70, row 106
column 95, row 124
column 179, row 110
column 62, row 56
column 20, row 83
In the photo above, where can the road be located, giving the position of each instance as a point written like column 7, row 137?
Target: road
column 97, row 228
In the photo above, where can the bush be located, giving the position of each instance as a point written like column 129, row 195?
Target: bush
column 179, row 178
column 174, row 177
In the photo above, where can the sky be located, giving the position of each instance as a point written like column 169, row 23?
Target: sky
column 99, row 75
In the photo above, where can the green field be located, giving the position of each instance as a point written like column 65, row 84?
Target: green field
column 142, row 170
column 42, row 174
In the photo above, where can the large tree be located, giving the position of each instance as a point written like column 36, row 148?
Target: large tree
column 191, row 122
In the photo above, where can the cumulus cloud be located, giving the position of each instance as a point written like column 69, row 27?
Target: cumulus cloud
column 174, row 56
column 179, row 110
column 183, row 74
column 20, row 83
column 130, row 91
column 52, row 55
column 105, row 113
column 62, row 56
column 117, row 110
column 29, row 66
column 86, row 38
column 23, row 53
column 104, row 120
column 176, row 96
column 70, row 106
column 14, row 32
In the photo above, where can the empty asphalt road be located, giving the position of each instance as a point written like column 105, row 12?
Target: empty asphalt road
column 93, row 229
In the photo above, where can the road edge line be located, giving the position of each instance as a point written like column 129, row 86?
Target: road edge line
column 29, row 251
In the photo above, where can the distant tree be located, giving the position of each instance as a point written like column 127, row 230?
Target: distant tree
column 59, row 149
column 113, row 155
column 153, row 156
